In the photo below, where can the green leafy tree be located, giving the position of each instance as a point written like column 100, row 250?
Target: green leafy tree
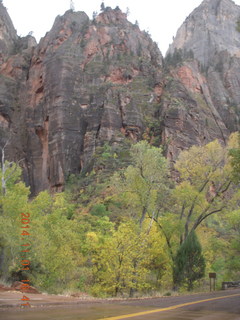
column 56, row 251
column 122, row 263
column 145, row 183
column 189, row 263
column 9, row 170
column 99, row 210
column 232, row 233
column 205, row 187
column 233, row 262
column 115, row 262
column 235, row 161
column 13, row 201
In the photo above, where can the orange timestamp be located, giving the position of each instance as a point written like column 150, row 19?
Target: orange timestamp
column 25, row 263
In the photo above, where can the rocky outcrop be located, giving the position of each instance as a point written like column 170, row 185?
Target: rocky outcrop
column 210, row 29
column 15, row 57
column 224, row 81
column 8, row 38
column 8, row 35
column 188, row 112
column 205, row 56
column 90, row 82
column 87, row 82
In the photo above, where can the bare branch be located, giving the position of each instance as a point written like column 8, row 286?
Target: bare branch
column 183, row 209
column 151, row 223
column 204, row 185
column 165, row 235
column 203, row 217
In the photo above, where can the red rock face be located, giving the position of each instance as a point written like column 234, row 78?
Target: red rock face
column 8, row 35
column 210, row 33
column 91, row 82
column 193, row 82
column 78, row 93
column 189, row 113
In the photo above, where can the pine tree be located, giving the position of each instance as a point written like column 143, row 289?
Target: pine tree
column 94, row 15
column 72, row 7
column 189, row 263
column 102, row 6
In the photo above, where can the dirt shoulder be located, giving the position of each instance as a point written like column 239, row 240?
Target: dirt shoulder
column 12, row 299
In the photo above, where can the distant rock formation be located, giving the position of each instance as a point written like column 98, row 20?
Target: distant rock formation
column 210, row 29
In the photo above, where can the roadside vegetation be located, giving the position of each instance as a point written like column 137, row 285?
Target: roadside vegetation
column 125, row 227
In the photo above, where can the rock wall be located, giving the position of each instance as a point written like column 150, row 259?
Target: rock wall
column 87, row 82
column 90, row 82
column 210, row 29
column 208, row 47
column 188, row 111
column 212, row 33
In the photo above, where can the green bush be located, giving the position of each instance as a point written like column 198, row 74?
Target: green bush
column 238, row 25
column 99, row 210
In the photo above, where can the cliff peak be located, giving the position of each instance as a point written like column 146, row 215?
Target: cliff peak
column 112, row 16
column 214, row 3
column 8, row 35
column 210, row 28
column 218, row 7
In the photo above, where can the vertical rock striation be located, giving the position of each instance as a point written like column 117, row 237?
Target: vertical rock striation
column 210, row 29
column 207, row 46
column 90, row 82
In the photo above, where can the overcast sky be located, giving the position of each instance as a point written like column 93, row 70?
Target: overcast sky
column 161, row 18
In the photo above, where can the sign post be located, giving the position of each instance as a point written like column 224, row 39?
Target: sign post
column 212, row 275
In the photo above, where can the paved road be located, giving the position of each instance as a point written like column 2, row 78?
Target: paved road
column 224, row 305
column 216, row 306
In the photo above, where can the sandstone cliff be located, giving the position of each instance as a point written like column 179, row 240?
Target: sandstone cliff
column 188, row 112
column 212, row 33
column 87, row 82
column 8, row 34
column 103, row 80
column 210, row 29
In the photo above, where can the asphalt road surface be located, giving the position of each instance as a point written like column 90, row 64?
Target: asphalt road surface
column 223, row 305
column 216, row 306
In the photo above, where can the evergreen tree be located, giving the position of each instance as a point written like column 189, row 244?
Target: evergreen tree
column 189, row 263
column 94, row 15
column 238, row 25
column 174, row 59
column 102, row 6
column 72, row 7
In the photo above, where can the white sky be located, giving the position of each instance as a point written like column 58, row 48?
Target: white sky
column 161, row 18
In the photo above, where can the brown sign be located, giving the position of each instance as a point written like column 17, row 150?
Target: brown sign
column 212, row 275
